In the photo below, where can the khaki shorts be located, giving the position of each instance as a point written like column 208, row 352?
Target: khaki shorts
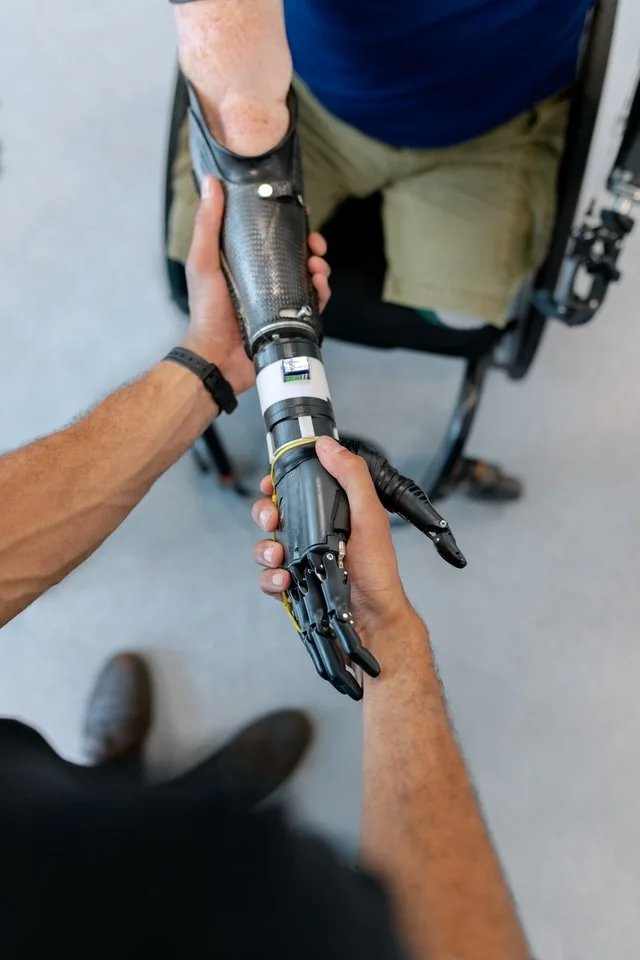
column 464, row 226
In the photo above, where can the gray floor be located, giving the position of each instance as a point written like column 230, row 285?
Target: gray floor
column 537, row 640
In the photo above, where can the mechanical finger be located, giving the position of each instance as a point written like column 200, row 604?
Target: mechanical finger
column 310, row 647
column 336, row 592
column 353, row 649
column 400, row 495
column 337, row 672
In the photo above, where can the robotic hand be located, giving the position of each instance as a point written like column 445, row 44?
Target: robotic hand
column 314, row 529
column 264, row 257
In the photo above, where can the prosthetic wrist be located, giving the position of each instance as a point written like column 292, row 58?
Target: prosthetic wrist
column 264, row 258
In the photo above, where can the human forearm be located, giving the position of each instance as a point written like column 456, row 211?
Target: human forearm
column 422, row 827
column 63, row 495
column 236, row 55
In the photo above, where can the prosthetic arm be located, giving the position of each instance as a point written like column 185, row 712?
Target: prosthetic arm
column 264, row 257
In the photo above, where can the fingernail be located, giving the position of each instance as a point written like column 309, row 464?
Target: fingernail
column 278, row 579
column 265, row 517
column 329, row 445
column 207, row 188
column 268, row 554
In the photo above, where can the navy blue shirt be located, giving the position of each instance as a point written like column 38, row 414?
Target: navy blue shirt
column 432, row 73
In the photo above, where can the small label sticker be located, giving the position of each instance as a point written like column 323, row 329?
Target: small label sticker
column 296, row 368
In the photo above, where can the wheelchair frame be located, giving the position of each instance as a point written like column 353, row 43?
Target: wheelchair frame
column 553, row 293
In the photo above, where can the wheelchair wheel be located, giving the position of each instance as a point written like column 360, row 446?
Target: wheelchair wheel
column 175, row 271
column 585, row 103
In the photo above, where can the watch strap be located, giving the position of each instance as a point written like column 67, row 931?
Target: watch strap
column 212, row 378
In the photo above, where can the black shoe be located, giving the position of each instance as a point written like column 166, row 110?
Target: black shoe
column 119, row 712
column 256, row 761
column 487, row 481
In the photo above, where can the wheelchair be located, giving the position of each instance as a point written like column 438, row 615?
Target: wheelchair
column 570, row 285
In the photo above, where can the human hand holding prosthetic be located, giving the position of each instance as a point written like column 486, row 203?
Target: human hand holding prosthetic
column 214, row 331
column 377, row 605
column 377, row 594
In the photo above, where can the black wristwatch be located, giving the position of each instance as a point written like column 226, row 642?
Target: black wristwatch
column 219, row 388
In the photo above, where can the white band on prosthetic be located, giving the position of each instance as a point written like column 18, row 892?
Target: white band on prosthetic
column 295, row 401
column 290, row 379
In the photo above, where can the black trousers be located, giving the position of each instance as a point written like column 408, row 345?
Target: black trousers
column 174, row 870
column 32, row 771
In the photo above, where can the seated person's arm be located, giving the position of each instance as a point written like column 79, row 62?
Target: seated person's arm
column 63, row 495
column 236, row 55
column 422, row 826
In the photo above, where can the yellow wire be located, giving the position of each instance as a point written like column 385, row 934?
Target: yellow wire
column 290, row 446
column 286, row 602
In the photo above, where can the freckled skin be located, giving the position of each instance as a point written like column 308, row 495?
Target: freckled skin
column 235, row 53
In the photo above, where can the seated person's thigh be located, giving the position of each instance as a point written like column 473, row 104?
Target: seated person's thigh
column 463, row 234
column 184, row 202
